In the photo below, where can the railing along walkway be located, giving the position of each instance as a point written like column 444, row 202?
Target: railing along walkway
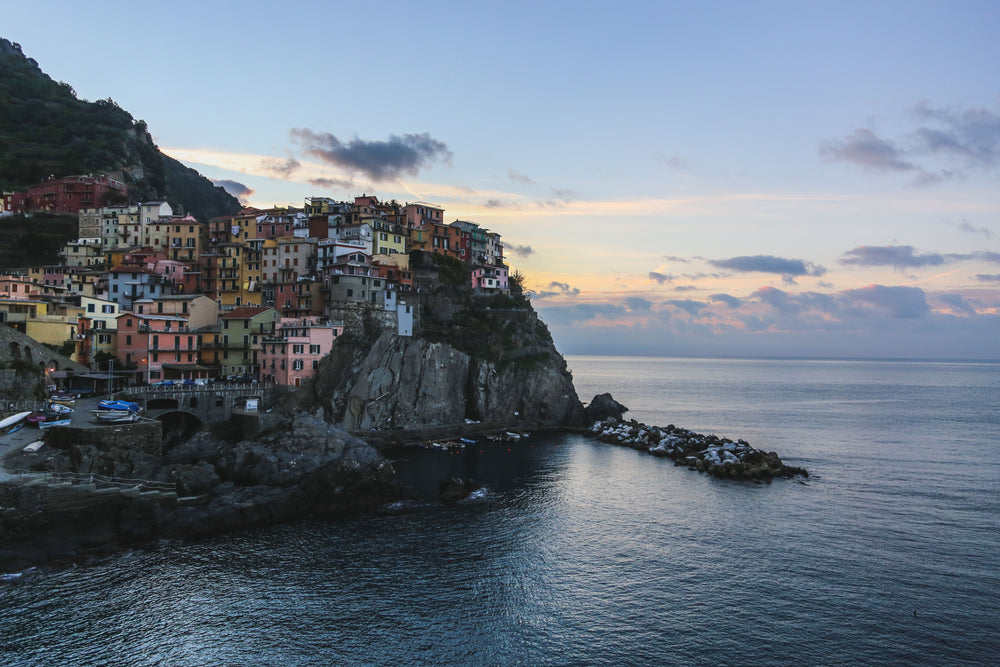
column 100, row 481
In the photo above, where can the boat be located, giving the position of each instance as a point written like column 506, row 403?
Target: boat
column 33, row 446
column 64, row 399
column 56, row 422
column 35, row 418
column 121, row 406
column 115, row 416
column 59, row 408
column 13, row 420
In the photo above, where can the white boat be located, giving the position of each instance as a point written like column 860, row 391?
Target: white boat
column 60, row 408
column 13, row 419
column 115, row 416
column 57, row 422
column 33, row 446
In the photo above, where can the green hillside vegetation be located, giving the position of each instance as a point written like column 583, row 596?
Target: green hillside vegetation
column 36, row 240
column 46, row 131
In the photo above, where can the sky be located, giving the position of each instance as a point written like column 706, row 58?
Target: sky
column 747, row 179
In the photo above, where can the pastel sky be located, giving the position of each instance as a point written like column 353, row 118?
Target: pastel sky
column 672, row 178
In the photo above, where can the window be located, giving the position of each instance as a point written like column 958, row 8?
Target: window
column 297, row 365
column 314, row 349
column 315, row 364
column 156, row 356
column 128, row 339
column 90, row 307
column 297, row 349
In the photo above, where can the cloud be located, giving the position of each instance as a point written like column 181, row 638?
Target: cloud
column 565, row 196
column 332, row 183
column 987, row 256
column 957, row 303
column 947, row 143
column 769, row 264
column 730, row 301
column 968, row 227
column 864, row 148
column 672, row 258
column 636, row 304
column 970, row 137
column 380, row 160
column 580, row 312
column 238, row 190
column 519, row 250
column 496, row 203
column 661, row 277
column 685, row 288
column 687, row 305
column 898, row 256
column 896, row 301
column 281, row 168
column 555, row 288
column 519, row 178
column 778, row 299
column 988, row 277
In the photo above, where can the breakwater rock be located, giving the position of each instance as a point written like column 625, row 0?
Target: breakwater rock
column 716, row 456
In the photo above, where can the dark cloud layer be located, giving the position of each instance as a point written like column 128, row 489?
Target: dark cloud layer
column 730, row 301
column 280, row 168
column 380, row 160
column 236, row 189
column 947, row 143
column 661, row 277
column 519, row 250
column 864, row 148
column 332, row 183
column 897, row 301
column 898, row 256
column 769, row 264
column 555, row 288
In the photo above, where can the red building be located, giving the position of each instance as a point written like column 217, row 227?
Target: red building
column 67, row 195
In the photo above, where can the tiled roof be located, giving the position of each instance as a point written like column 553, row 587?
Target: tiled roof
column 244, row 313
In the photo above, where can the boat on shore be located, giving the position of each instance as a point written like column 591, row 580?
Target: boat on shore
column 116, row 412
column 55, row 422
column 115, row 416
column 14, row 422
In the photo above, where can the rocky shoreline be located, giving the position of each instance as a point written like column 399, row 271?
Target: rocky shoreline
column 719, row 457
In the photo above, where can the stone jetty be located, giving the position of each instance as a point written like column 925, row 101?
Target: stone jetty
column 716, row 456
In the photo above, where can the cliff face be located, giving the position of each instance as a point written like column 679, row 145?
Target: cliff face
column 485, row 359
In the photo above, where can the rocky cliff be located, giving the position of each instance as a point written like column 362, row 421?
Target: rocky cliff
column 473, row 359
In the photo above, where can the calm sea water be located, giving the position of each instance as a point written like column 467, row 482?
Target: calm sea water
column 580, row 553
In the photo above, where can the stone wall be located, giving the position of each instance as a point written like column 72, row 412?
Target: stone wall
column 15, row 345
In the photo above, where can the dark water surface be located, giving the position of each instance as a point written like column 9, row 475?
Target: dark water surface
column 583, row 553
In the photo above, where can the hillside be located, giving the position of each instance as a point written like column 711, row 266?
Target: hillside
column 46, row 131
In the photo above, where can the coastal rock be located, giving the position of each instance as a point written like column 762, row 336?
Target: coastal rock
column 603, row 406
column 717, row 456
column 456, row 489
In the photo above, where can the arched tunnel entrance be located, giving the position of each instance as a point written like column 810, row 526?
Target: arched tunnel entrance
column 178, row 426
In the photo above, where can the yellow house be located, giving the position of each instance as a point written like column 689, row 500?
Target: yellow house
column 237, row 283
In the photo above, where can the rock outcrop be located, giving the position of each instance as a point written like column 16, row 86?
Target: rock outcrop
column 485, row 359
column 305, row 468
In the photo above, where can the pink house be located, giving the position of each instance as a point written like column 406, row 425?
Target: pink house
column 291, row 355
column 490, row 279
column 159, row 346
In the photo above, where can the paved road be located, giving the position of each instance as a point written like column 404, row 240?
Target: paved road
column 11, row 442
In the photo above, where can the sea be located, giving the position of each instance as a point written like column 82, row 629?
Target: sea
column 577, row 552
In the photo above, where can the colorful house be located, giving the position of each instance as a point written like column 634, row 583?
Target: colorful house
column 292, row 354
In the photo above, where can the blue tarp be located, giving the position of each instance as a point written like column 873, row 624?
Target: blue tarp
column 121, row 406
